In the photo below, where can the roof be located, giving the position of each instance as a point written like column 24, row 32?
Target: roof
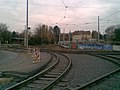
column 81, row 32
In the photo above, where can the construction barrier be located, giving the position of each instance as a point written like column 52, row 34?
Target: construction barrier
column 35, row 54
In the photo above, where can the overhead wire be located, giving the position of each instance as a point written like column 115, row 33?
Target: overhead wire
column 63, row 2
column 105, row 17
column 110, row 15
column 109, row 21
column 64, row 6
column 11, row 2
column 65, row 11
column 34, row 4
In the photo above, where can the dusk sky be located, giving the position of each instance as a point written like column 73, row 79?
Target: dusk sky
column 69, row 14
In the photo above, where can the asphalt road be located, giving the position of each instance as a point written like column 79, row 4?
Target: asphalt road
column 6, row 56
column 84, row 67
column 20, row 62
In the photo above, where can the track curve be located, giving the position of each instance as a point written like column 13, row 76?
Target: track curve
column 47, row 78
column 108, row 81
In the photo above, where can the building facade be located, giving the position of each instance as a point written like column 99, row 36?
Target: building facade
column 81, row 36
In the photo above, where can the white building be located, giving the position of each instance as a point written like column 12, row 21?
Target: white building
column 81, row 36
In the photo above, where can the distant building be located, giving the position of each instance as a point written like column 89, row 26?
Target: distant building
column 94, row 35
column 56, row 32
column 64, row 37
column 81, row 36
column 17, row 40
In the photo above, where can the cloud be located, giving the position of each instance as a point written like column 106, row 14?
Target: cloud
column 51, row 12
column 12, row 13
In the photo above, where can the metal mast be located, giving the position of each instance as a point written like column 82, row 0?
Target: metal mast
column 27, row 25
column 98, row 28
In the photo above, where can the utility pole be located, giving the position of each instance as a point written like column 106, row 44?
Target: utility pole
column 70, row 39
column 59, row 37
column 27, row 24
column 25, row 36
column 64, row 35
column 0, row 43
column 69, row 36
column 0, row 39
column 98, row 29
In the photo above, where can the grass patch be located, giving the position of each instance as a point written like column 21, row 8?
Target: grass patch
column 5, row 80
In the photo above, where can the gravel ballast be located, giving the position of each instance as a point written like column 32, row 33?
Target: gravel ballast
column 85, row 68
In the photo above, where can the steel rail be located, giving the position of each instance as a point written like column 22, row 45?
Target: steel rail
column 101, row 77
column 50, row 85
column 61, row 76
column 18, row 85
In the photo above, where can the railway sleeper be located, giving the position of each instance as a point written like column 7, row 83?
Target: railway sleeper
column 58, row 88
column 57, row 71
column 38, row 86
column 64, row 80
column 62, row 66
column 62, row 84
column 54, row 73
column 28, row 88
column 47, row 79
column 41, row 81
column 51, row 76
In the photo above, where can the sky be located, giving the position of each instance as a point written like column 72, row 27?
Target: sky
column 69, row 15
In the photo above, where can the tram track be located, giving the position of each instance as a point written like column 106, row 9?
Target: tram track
column 108, row 81
column 47, row 78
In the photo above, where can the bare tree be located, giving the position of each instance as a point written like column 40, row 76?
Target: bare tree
column 5, row 34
